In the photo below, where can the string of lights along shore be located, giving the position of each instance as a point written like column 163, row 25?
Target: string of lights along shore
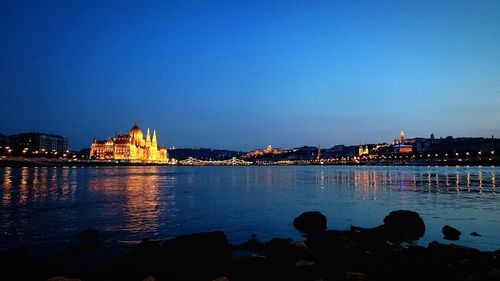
column 134, row 147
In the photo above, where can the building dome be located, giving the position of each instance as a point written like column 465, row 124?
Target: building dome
column 135, row 132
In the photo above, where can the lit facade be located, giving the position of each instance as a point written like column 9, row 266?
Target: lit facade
column 269, row 150
column 38, row 144
column 403, row 145
column 363, row 151
column 132, row 147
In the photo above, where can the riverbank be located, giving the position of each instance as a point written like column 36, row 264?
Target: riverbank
column 384, row 252
column 48, row 162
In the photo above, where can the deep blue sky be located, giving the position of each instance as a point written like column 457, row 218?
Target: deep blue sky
column 243, row 75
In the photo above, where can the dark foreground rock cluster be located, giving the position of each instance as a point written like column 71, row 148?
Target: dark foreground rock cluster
column 379, row 253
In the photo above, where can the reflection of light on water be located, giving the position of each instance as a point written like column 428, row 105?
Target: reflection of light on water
column 139, row 186
column 493, row 181
column 370, row 182
column 134, row 203
column 142, row 201
column 468, row 181
column 464, row 179
column 480, row 176
column 7, row 183
column 322, row 179
column 23, row 199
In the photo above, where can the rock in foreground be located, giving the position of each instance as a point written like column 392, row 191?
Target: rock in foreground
column 404, row 225
column 451, row 233
column 311, row 223
column 356, row 254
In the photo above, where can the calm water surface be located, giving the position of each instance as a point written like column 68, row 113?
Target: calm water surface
column 47, row 206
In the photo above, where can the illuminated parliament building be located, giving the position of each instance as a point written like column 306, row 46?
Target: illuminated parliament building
column 132, row 147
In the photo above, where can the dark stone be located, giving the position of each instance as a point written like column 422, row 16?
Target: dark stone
column 451, row 233
column 312, row 222
column 279, row 249
column 252, row 244
column 89, row 236
column 454, row 262
column 199, row 256
column 475, row 234
column 413, row 263
column 403, row 225
column 452, row 251
column 250, row 268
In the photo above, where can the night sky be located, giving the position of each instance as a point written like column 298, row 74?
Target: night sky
column 244, row 75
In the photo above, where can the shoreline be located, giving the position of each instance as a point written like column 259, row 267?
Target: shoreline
column 384, row 252
column 45, row 162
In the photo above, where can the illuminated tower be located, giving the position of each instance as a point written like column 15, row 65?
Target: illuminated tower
column 153, row 150
column 148, row 139
column 401, row 137
column 319, row 153
column 363, row 150
column 135, row 134
column 154, row 143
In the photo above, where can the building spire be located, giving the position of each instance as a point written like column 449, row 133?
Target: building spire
column 154, row 142
column 148, row 139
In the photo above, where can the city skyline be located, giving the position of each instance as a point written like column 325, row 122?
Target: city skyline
column 242, row 76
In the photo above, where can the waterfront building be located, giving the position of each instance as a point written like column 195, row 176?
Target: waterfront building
column 38, row 144
column 132, row 147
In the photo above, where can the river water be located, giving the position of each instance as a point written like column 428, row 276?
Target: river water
column 46, row 206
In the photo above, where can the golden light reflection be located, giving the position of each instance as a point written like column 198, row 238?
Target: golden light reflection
column 64, row 189
column 7, row 184
column 143, row 201
column 468, row 180
column 23, row 198
column 139, row 188
column 480, row 177
column 369, row 183
column 493, row 180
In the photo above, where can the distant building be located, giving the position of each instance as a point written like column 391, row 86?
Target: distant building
column 403, row 148
column 403, row 145
column 401, row 139
column 269, row 150
column 131, row 147
column 38, row 144
column 363, row 150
